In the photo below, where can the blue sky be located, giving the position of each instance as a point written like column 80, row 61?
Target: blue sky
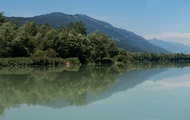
column 164, row 19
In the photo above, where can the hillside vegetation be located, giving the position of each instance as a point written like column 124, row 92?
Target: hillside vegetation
column 123, row 38
column 43, row 41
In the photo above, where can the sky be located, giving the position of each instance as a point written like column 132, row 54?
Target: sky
column 167, row 20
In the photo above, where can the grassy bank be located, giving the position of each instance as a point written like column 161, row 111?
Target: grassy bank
column 37, row 61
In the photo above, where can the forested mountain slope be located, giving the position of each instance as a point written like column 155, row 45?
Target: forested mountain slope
column 123, row 38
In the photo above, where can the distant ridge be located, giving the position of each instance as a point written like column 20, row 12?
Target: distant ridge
column 171, row 46
column 123, row 38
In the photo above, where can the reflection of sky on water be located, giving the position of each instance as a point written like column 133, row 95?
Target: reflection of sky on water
column 170, row 79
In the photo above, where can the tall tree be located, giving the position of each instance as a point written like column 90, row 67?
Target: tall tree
column 29, row 28
column 80, row 28
column 49, row 40
column 102, row 46
column 41, row 31
column 22, row 45
column 2, row 18
column 7, row 34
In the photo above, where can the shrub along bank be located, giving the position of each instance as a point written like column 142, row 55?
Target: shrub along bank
column 36, row 61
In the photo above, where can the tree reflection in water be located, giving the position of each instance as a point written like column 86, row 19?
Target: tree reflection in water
column 42, row 85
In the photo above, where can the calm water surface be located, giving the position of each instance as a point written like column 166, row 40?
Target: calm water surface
column 135, row 92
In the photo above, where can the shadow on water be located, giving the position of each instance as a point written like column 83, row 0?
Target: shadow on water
column 58, row 87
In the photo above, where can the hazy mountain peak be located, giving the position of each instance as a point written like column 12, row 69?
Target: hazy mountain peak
column 172, row 47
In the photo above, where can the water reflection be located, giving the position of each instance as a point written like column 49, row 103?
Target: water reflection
column 172, row 78
column 59, row 87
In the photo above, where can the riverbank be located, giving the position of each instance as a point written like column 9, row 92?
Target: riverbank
column 37, row 61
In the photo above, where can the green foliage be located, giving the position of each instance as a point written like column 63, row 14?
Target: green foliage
column 7, row 34
column 49, row 40
column 4, row 62
column 47, row 61
column 29, row 28
column 102, row 47
column 21, row 61
column 2, row 18
column 43, row 41
column 38, row 53
column 22, row 46
column 30, row 40
column 50, row 53
column 80, row 28
column 47, row 53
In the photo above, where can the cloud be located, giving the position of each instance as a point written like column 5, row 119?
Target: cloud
column 183, row 38
column 20, row 14
column 168, row 35
column 162, row 85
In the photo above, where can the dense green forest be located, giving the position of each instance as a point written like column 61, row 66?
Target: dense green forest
column 71, row 41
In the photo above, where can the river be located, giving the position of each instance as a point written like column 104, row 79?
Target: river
column 148, row 91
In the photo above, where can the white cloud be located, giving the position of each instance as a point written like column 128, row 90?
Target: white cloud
column 168, row 35
column 20, row 14
column 162, row 85
column 169, row 83
column 183, row 38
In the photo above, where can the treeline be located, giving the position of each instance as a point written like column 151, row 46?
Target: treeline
column 71, row 41
column 128, row 57
column 30, row 40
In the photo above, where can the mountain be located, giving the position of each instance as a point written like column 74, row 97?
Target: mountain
column 172, row 47
column 123, row 38
column 124, row 82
